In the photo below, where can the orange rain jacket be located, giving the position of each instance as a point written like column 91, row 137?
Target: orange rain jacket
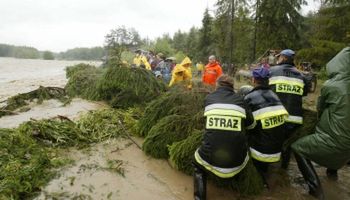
column 211, row 73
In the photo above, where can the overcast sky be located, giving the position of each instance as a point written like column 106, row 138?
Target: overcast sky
column 58, row 25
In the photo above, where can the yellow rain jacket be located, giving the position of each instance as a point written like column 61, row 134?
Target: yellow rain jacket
column 188, row 72
column 142, row 60
column 185, row 61
column 178, row 75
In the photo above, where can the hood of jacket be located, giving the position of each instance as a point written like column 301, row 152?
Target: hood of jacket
column 340, row 64
column 179, row 68
column 185, row 61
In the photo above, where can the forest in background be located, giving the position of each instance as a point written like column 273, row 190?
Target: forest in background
column 236, row 31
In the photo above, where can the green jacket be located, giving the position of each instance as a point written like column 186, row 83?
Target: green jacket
column 330, row 145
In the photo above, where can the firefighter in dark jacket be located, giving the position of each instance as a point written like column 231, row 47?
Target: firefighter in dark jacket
column 290, row 86
column 266, row 135
column 224, row 150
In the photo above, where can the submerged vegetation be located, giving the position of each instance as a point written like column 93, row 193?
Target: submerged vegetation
column 28, row 153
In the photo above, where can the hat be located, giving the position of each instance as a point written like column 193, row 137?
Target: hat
column 171, row 58
column 261, row 73
column 158, row 74
column 287, row 52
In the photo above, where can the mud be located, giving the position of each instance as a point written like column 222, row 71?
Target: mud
column 139, row 176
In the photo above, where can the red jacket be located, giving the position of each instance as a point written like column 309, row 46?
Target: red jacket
column 211, row 73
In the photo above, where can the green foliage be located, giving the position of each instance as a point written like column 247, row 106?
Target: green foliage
column 170, row 129
column 18, row 51
column 125, row 87
column 24, row 165
column 205, row 43
column 181, row 153
column 94, row 53
column 41, row 94
column 118, row 41
column 177, row 101
column 321, row 52
column 278, row 24
column 27, row 156
column 162, row 45
column 82, row 81
column 179, row 56
column 48, row 55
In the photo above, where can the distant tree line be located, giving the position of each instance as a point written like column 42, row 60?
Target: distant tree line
column 95, row 53
column 240, row 31
column 19, row 52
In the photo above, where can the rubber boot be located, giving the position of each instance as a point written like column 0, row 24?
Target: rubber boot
column 332, row 174
column 262, row 169
column 285, row 158
column 200, row 184
column 310, row 176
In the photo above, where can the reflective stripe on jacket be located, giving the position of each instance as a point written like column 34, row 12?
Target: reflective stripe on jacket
column 224, row 148
column 289, row 85
column 211, row 73
column 266, row 136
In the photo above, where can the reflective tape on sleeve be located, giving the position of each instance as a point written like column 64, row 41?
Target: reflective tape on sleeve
column 294, row 119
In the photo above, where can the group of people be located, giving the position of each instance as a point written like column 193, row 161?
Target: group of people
column 255, row 122
column 172, row 73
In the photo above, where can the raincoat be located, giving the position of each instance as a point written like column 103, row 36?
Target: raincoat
column 330, row 145
column 188, row 72
column 211, row 72
column 177, row 76
column 141, row 60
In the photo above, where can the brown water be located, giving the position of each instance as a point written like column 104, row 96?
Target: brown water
column 144, row 177
column 24, row 75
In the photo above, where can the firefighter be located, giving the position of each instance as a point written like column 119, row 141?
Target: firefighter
column 224, row 150
column 290, row 86
column 266, row 135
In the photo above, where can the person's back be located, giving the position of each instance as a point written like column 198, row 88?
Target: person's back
column 290, row 86
column 266, row 137
column 224, row 144
column 224, row 150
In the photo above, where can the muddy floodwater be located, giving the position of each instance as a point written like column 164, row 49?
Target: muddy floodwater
column 137, row 176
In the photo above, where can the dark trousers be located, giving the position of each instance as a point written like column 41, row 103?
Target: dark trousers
column 290, row 130
column 307, row 170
